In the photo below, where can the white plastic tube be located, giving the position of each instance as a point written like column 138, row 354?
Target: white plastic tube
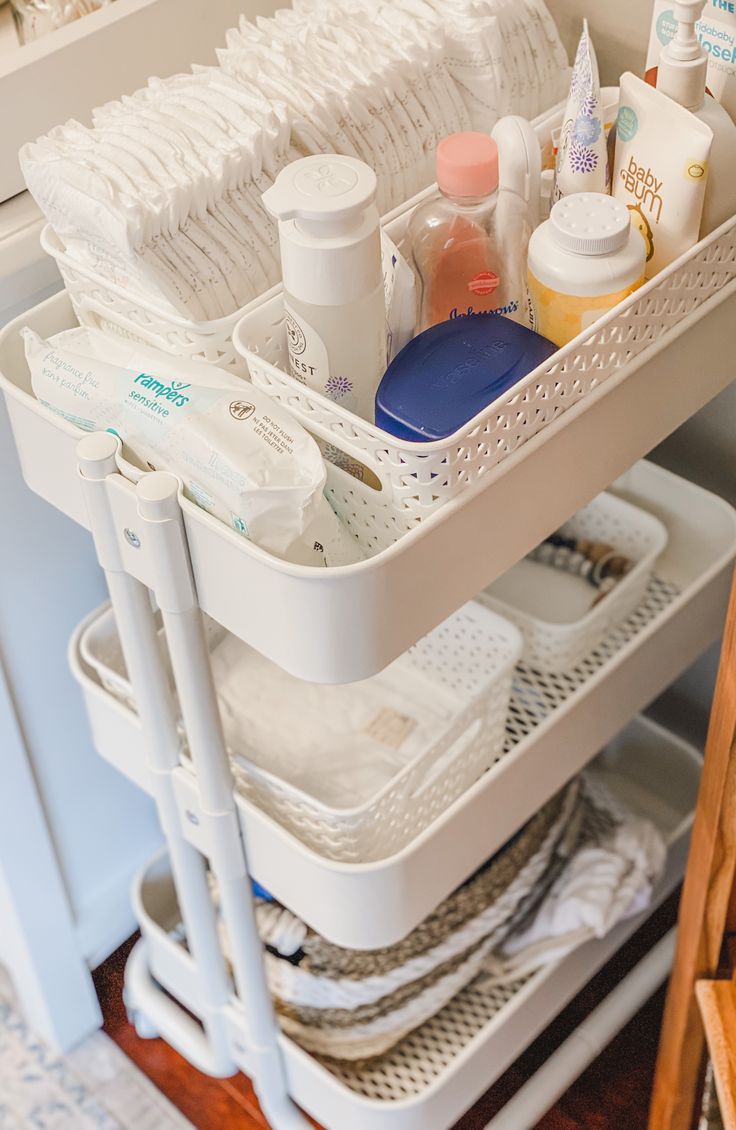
column 163, row 530
column 588, row 1040
column 138, row 636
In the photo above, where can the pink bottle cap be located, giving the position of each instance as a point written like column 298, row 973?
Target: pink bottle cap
column 467, row 164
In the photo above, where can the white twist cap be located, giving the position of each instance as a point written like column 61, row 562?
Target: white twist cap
column 590, row 223
column 322, row 189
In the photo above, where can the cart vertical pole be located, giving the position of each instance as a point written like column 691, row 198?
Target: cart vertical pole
column 137, row 629
column 163, row 528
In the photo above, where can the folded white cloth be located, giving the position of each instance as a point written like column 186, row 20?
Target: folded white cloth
column 608, row 880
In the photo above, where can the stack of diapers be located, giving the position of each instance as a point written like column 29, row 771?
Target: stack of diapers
column 581, row 864
column 502, row 56
column 162, row 196
column 385, row 81
column 375, row 88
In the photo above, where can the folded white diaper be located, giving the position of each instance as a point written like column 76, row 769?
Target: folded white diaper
column 162, row 196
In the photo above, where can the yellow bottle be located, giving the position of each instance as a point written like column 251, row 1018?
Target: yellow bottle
column 583, row 261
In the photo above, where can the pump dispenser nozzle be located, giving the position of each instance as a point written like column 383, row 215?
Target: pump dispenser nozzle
column 683, row 64
column 327, row 216
column 327, row 195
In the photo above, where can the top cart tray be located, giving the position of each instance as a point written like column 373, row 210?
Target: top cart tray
column 338, row 625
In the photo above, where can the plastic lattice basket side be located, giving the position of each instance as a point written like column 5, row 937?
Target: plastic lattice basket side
column 468, row 662
column 382, row 487
column 554, row 646
column 119, row 312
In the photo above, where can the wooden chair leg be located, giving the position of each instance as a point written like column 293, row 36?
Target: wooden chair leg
column 717, row 1002
column 705, row 904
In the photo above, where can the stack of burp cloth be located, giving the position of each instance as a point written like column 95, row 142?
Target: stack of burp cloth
column 162, row 196
column 582, row 863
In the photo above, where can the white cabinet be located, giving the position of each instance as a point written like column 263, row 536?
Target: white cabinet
column 73, row 831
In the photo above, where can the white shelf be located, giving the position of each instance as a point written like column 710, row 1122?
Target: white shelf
column 437, row 1072
column 109, row 53
column 575, row 716
column 340, row 625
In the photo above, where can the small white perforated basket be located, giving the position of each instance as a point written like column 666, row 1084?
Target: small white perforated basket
column 120, row 312
column 415, row 479
column 472, row 655
column 559, row 647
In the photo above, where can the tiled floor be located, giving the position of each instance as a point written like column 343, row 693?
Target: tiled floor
column 611, row 1095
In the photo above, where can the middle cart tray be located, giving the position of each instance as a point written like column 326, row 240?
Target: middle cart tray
column 556, row 724
column 355, row 772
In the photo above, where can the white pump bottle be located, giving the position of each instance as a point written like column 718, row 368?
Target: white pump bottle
column 683, row 67
column 333, row 280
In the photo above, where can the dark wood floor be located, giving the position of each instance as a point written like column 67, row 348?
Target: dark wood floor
column 612, row 1095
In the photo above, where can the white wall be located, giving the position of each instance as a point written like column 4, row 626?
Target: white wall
column 620, row 31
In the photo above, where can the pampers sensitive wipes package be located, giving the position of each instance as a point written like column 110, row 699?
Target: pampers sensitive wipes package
column 238, row 454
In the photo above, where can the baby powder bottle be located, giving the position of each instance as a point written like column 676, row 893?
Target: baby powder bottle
column 452, row 240
column 585, row 259
column 333, row 278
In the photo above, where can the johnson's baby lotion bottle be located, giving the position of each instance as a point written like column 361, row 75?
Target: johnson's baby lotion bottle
column 333, row 280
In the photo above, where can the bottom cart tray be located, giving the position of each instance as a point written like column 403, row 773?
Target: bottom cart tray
column 438, row 1071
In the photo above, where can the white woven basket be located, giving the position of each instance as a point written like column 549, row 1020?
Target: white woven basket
column 554, row 646
column 472, row 655
column 120, row 312
column 100, row 649
column 415, row 479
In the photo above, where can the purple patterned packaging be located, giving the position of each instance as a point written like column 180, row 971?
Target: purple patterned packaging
column 582, row 162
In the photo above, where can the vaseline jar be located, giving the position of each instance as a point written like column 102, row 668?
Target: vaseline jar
column 585, row 259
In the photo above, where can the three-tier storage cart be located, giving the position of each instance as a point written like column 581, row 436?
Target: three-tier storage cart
column 574, row 427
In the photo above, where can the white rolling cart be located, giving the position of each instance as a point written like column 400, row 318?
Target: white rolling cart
column 585, row 423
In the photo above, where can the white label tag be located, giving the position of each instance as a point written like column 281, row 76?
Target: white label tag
column 391, row 728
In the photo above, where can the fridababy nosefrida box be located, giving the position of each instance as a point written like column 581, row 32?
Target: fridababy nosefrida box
column 716, row 31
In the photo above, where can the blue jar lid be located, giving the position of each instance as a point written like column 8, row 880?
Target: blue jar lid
column 453, row 370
